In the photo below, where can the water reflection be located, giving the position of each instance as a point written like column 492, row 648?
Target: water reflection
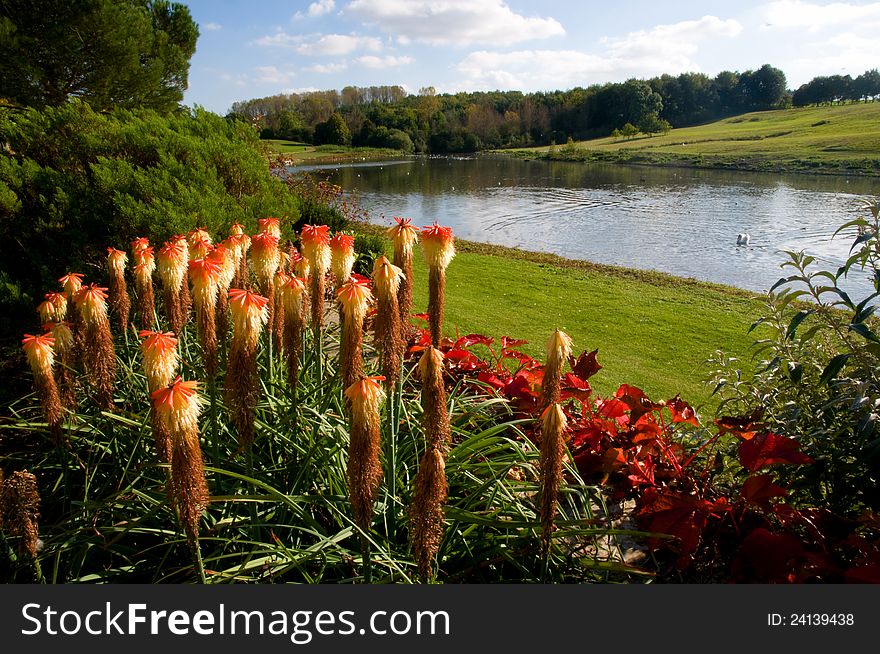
column 684, row 222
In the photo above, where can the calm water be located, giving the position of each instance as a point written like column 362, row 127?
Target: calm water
column 679, row 221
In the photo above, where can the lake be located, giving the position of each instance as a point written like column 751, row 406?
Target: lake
column 680, row 221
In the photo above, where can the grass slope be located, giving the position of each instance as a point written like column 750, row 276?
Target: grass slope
column 299, row 153
column 831, row 139
column 652, row 330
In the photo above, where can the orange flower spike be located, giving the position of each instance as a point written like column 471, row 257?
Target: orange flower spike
column 200, row 248
column 355, row 297
column 236, row 229
column 438, row 246
column 293, row 292
column 161, row 358
column 139, row 244
column 403, row 235
column 53, row 308
column 558, row 351
column 250, row 311
column 386, row 276
column 224, row 256
column 366, row 398
column 91, row 302
column 266, row 256
column 179, row 404
column 71, row 282
column 316, row 247
column 116, row 260
column 300, row 266
column 342, row 256
column 171, row 263
column 147, row 262
column 271, row 226
column 63, row 336
column 40, row 352
column 205, row 277
column 199, row 235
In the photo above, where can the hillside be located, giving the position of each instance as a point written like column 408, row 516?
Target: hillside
column 839, row 140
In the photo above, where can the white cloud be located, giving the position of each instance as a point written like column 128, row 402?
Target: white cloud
column 321, row 7
column 453, row 22
column 316, row 9
column 211, row 27
column 815, row 17
column 662, row 49
column 272, row 75
column 371, row 61
column 328, row 45
column 326, row 68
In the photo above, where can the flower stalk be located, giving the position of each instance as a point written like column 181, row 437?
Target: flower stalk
column 403, row 236
column 99, row 357
column 439, row 249
column 120, row 303
column 250, row 314
column 41, row 357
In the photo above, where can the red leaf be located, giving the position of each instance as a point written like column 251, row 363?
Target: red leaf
column 612, row 408
column 682, row 411
column 493, row 380
column 473, row 339
column 507, row 341
column 677, row 514
column 575, row 387
column 765, row 557
column 743, row 427
column 586, row 365
column 636, row 400
column 760, row 489
column 767, row 448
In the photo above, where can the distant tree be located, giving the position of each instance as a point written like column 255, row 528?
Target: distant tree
column 629, row 130
column 763, row 88
column 333, row 132
column 867, row 85
column 110, row 53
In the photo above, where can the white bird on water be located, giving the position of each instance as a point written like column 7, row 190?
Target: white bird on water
column 743, row 239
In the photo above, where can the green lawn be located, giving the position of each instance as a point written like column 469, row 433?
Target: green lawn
column 306, row 153
column 652, row 330
column 843, row 139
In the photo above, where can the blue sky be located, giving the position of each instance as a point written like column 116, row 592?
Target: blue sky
column 251, row 49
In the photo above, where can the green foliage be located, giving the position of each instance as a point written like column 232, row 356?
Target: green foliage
column 333, row 131
column 109, row 53
column 73, row 181
column 368, row 247
column 819, row 376
column 628, row 131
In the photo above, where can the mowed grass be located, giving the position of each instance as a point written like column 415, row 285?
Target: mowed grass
column 843, row 138
column 653, row 331
column 306, row 153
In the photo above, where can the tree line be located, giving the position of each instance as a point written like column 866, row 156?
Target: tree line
column 838, row 88
column 386, row 116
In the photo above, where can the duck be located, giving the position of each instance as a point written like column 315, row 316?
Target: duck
column 743, row 239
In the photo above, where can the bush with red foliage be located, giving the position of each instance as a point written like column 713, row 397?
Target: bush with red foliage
column 708, row 494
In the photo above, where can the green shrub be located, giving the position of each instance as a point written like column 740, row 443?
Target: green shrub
column 71, row 178
column 819, row 377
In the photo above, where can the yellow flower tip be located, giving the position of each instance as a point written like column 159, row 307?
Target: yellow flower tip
column 355, row 297
column 300, row 265
column 558, row 347
column 438, row 246
column 553, row 419
column 62, row 334
column 199, row 235
column 116, row 260
column 386, row 276
column 366, row 396
column 266, row 255
column 250, row 311
column 40, row 351
column 139, row 244
column 205, row 277
column 403, row 235
column 71, row 282
column 224, row 256
column 160, row 356
column 431, row 358
column 237, row 229
column 270, row 225
column 281, row 278
column 316, row 246
column 91, row 301
column 293, row 292
column 145, row 258
column 200, row 248
column 179, row 404
column 342, row 256
column 53, row 308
